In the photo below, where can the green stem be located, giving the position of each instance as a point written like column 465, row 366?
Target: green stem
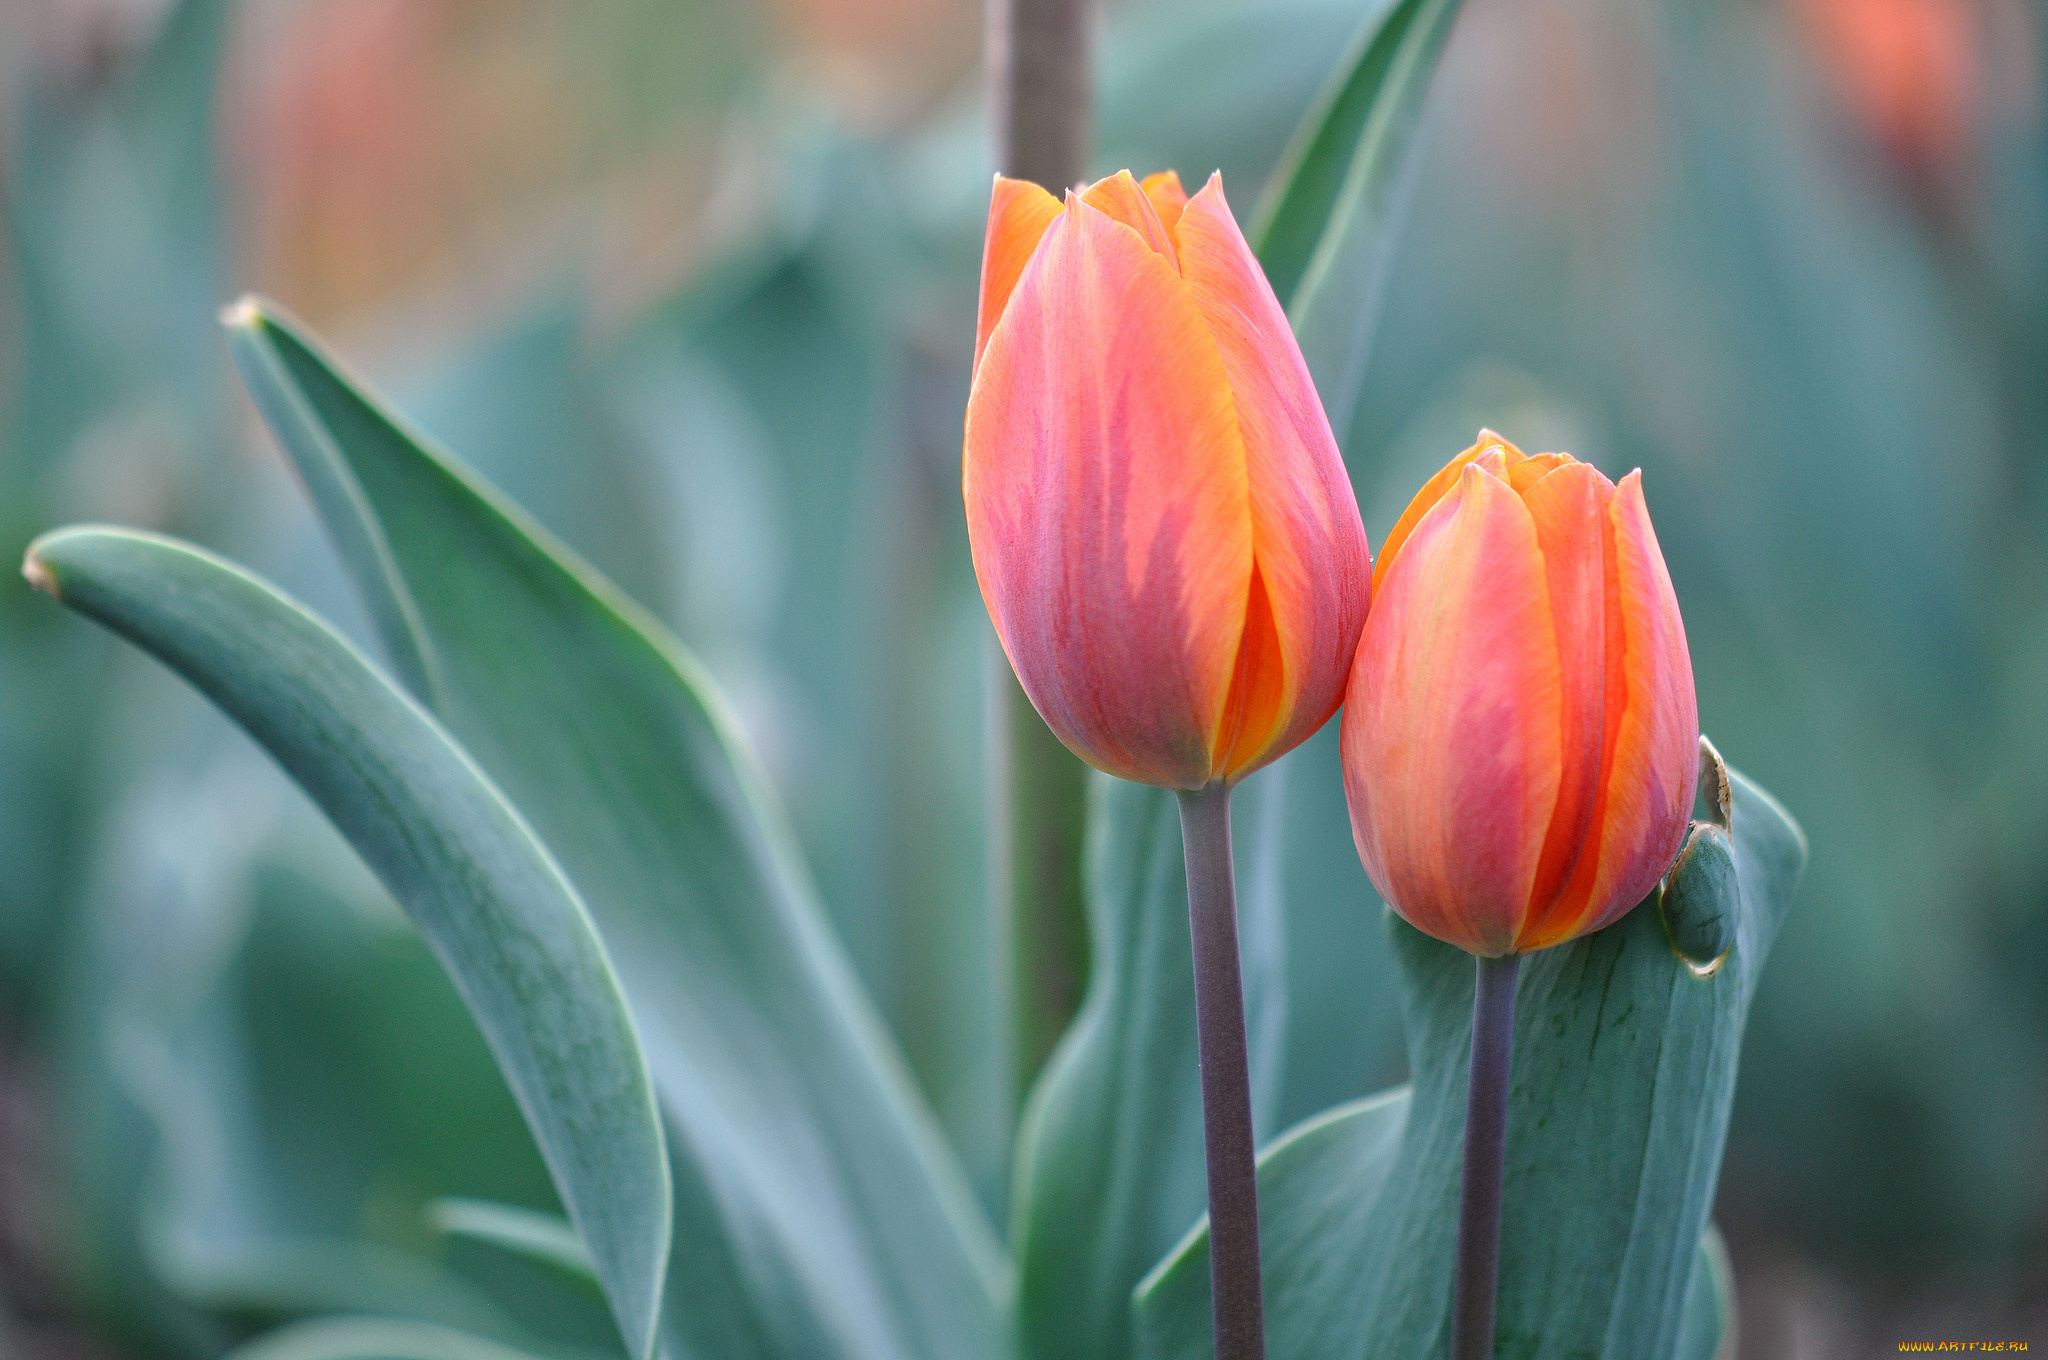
column 1039, row 78
column 1486, row 1141
column 1038, row 792
column 1226, row 1076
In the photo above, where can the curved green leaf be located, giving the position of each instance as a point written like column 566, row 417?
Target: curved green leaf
column 1109, row 1155
column 372, row 1338
column 823, row 1212
column 488, row 897
column 1324, row 229
column 1708, row 1326
column 523, row 1232
column 1303, row 192
column 1305, row 1229
column 1353, row 1146
column 1624, row 1069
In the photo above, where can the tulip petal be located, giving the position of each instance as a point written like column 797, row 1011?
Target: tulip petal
column 1168, row 199
column 1107, row 503
column 1450, row 739
column 1018, row 214
column 1433, row 490
column 1253, row 711
column 1306, row 534
column 1119, row 197
column 1534, row 468
column 1569, row 507
column 1652, row 730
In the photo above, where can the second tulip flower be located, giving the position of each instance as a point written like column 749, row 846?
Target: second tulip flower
column 1521, row 740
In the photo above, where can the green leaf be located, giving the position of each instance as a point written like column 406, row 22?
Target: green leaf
column 823, row 1212
column 371, row 1338
column 488, row 897
column 1109, row 1155
column 1707, row 1327
column 524, row 1232
column 1353, row 1145
column 1624, row 1068
column 1302, row 1223
column 1324, row 229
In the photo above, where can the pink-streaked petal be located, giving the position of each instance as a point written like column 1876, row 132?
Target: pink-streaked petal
column 1306, row 534
column 1653, row 762
column 1107, row 504
column 1450, row 739
column 1018, row 214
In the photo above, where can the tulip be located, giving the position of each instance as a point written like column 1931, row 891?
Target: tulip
column 1168, row 544
column 1521, row 747
column 1163, row 531
column 1520, row 738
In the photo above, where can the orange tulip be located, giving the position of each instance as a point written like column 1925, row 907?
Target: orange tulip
column 1520, row 737
column 1163, row 531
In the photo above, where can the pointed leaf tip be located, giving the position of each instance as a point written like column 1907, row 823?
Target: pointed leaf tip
column 38, row 574
column 1714, row 789
column 243, row 314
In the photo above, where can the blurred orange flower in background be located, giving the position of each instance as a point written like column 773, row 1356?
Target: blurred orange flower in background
column 1923, row 77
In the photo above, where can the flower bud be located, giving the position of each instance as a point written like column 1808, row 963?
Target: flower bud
column 1520, row 733
column 1162, row 528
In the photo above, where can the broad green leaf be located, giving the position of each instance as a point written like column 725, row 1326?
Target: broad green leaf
column 824, row 1215
column 1325, row 228
column 1109, row 1155
column 1353, row 1146
column 373, row 1338
column 486, row 894
column 1624, row 1069
column 1708, row 1325
column 299, row 1075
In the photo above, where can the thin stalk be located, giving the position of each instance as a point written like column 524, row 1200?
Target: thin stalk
column 1486, row 1146
column 1038, row 795
column 1039, row 77
column 1226, row 1076
column 1039, row 80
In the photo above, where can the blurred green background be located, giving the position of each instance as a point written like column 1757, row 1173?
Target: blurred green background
column 694, row 282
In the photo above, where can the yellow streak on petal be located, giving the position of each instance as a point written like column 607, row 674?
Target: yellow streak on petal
column 1433, row 491
column 1018, row 214
column 1119, row 197
column 1168, row 200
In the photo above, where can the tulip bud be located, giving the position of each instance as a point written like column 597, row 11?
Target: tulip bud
column 1163, row 531
column 1520, row 733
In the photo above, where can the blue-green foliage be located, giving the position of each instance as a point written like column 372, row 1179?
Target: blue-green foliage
column 1624, row 1070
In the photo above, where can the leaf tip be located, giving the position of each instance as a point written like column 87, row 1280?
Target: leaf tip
column 38, row 574
column 245, row 313
column 1715, row 793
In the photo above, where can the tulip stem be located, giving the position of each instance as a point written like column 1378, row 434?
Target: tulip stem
column 1486, row 1146
column 1226, row 1076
